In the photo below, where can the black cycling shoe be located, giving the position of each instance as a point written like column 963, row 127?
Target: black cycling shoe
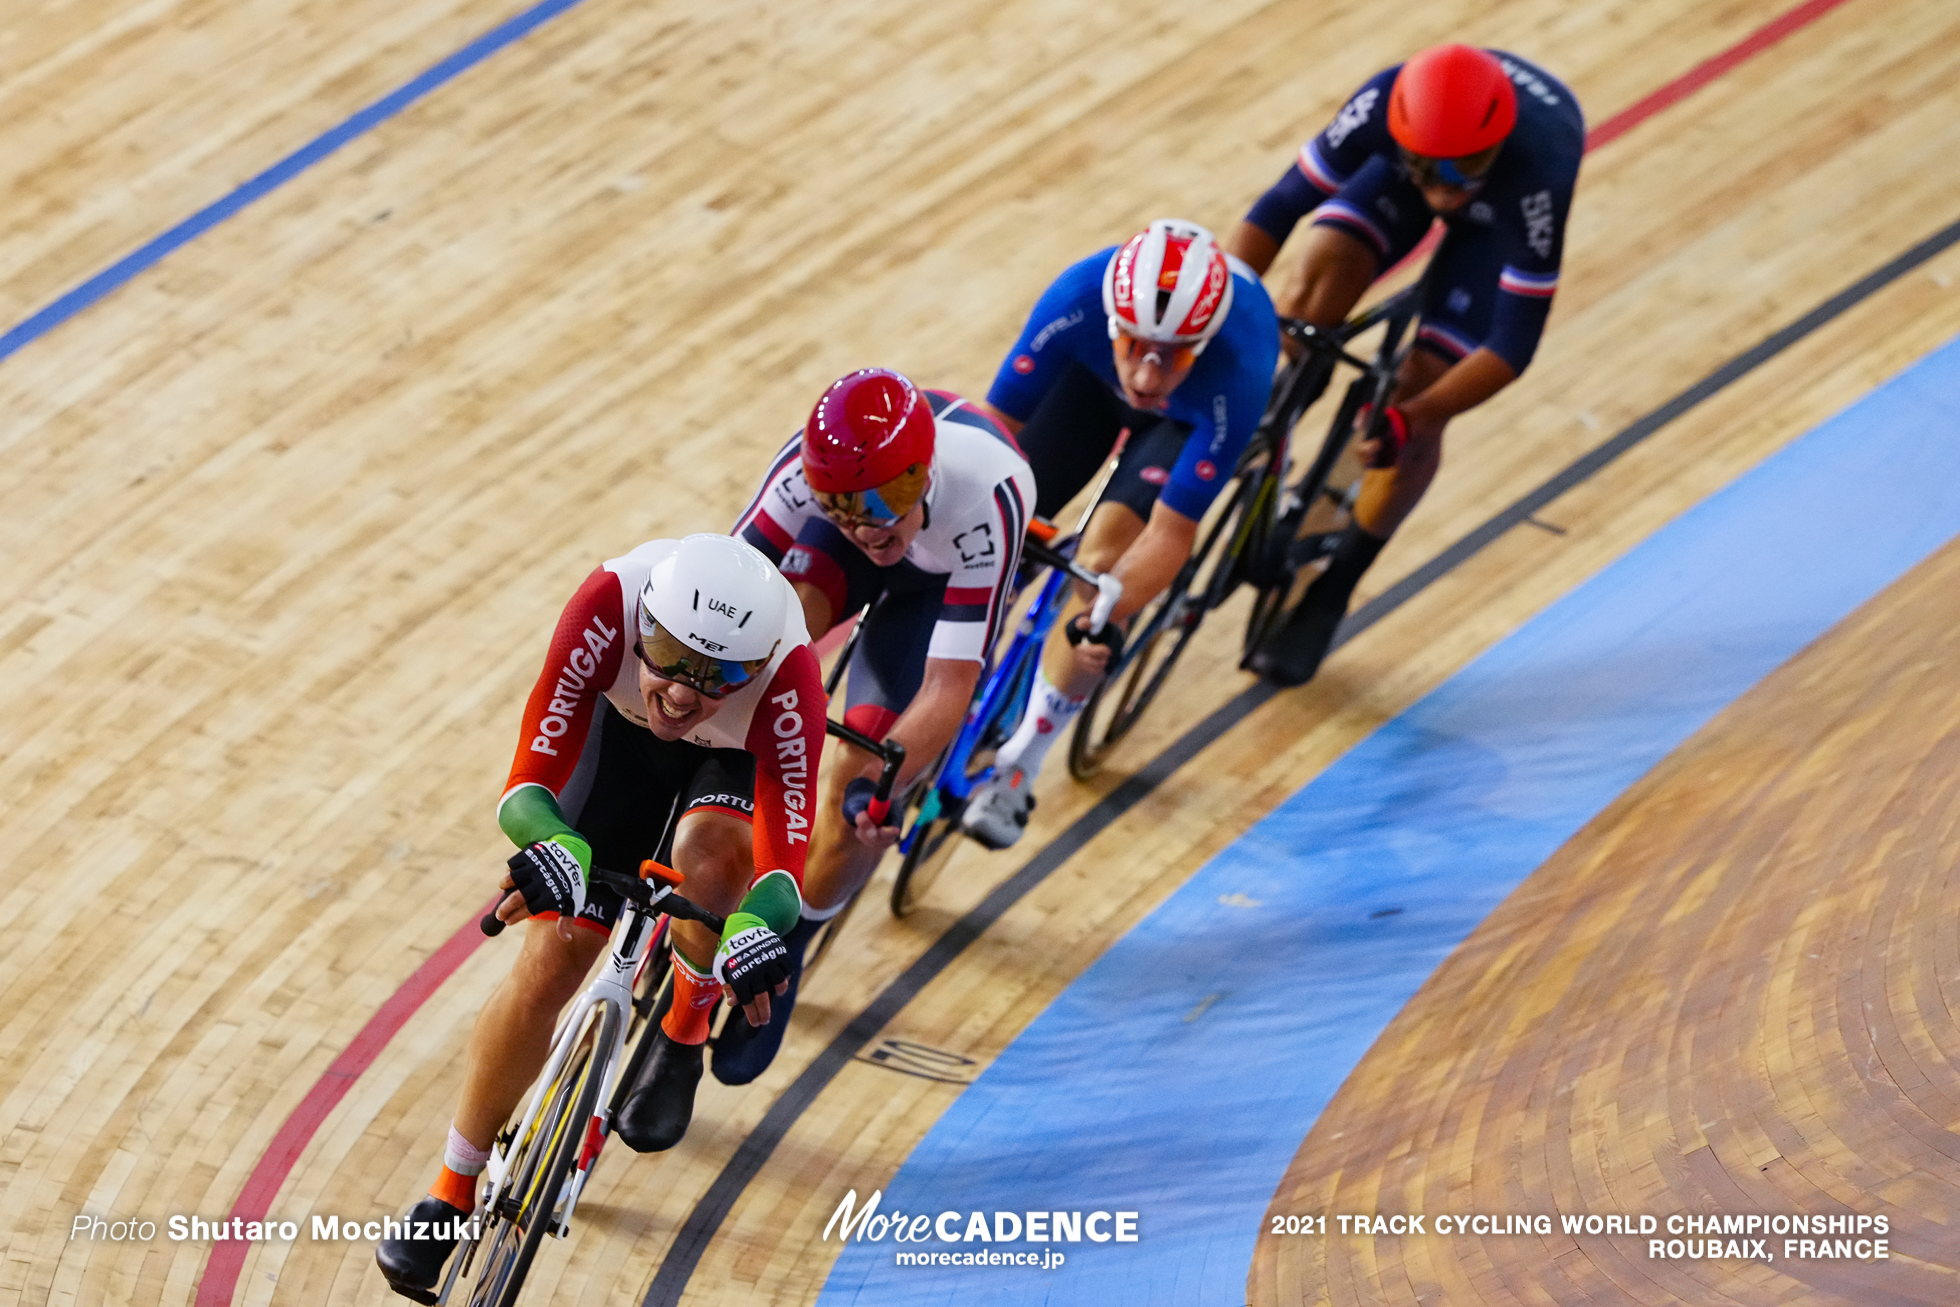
column 1292, row 654
column 656, row 1112
column 743, row 1051
column 412, row 1266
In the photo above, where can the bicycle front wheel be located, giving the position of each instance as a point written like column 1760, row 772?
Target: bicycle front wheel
column 1166, row 626
column 933, row 841
column 541, row 1162
column 935, row 833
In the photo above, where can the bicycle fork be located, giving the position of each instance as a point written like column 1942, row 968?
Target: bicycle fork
column 612, row 988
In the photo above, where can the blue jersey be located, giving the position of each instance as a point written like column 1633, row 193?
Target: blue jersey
column 1221, row 401
column 1519, row 211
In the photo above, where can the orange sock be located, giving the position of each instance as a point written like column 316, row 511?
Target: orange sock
column 459, row 1191
column 695, row 996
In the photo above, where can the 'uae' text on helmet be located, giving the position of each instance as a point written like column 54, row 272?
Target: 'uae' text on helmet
column 1451, row 101
column 1170, row 284
column 717, row 594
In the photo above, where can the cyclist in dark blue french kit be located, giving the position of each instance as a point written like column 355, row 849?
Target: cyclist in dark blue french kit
column 1489, row 143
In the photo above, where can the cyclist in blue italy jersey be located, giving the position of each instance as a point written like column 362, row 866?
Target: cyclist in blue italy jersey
column 1170, row 339
column 1490, row 144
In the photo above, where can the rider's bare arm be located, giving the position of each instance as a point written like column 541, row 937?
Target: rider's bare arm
column 1468, row 383
column 1147, row 567
column 928, row 724
column 1253, row 244
column 1012, row 425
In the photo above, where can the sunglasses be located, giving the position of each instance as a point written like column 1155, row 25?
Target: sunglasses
column 1171, row 358
column 1465, row 174
column 882, row 507
column 668, row 657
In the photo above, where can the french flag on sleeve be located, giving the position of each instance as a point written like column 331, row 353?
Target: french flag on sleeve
column 1538, row 285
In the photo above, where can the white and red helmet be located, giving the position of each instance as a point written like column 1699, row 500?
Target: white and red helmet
column 1169, row 284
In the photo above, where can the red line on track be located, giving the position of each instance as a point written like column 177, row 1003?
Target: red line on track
column 255, row 1200
column 1675, row 91
column 1703, row 73
column 283, row 1153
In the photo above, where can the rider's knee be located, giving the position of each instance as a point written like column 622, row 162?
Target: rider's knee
column 550, row 968
column 715, row 851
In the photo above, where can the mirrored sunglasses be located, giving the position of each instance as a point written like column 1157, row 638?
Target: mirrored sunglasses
column 883, row 506
column 672, row 659
column 1171, row 358
column 1465, row 174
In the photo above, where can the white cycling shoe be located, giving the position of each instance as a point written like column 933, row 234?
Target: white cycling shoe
column 998, row 811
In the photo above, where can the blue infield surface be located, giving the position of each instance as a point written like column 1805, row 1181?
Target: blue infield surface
column 1176, row 1078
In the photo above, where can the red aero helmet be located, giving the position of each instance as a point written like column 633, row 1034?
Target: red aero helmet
column 865, row 430
column 1169, row 284
column 1450, row 101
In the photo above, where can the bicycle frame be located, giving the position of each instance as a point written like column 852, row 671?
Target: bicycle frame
column 1297, row 390
column 1003, row 682
column 611, row 990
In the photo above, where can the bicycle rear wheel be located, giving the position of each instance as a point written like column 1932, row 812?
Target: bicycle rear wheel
column 1166, row 626
column 541, row 1162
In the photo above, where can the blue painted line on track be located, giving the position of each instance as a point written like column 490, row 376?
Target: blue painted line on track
column 102, row 283
column 1178, row 1075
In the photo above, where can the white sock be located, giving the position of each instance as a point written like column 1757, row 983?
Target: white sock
column 1048, row 715
column 462, row 1156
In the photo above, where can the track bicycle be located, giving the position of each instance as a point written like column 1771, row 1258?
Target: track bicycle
column 994, row 714
column 539, row 1165
column 1263, row 530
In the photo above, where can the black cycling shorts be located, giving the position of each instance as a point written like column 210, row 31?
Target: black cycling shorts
column 630, row 790
column 1070, row 433
column 889, row 663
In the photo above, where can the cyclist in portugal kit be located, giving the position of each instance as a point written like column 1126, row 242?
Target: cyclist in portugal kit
column 915, row 502
column 1490, row 144
column 1169, row 339
column 680, row 695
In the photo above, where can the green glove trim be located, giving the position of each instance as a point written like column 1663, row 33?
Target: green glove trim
column 773, row 901
column 576, row 845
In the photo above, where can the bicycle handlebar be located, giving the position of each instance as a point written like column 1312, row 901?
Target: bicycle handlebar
column 893, row 754
column 1328, row 341
column 647, row 893
column 1047, row 557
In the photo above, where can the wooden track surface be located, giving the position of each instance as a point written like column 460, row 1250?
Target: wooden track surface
column 1730, row 993
column 288, row 518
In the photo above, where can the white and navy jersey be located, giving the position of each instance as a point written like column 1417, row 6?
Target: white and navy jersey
column 977, row 502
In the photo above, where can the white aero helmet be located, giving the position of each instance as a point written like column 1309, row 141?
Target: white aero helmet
column 1169, row 284
column 712, row 614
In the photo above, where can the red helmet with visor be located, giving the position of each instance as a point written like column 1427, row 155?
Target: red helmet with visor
column 1450, row 102
column 868, row 446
